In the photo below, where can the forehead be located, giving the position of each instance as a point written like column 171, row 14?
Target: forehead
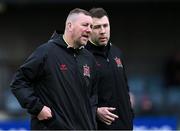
column 100, row 21
column 84, row 18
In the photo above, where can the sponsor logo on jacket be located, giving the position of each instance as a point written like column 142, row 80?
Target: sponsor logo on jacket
column 86, row 70
column 118, row 62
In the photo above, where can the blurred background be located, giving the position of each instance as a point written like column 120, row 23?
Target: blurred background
column 147, row 31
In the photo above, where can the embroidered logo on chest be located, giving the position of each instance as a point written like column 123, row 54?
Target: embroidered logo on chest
column 63, row 67
column 118, row 62
column 86, row 70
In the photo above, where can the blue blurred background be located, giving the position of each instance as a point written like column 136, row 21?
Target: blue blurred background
column 147, row 31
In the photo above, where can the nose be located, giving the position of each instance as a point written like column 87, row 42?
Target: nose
column 89, row 29
column 102, row 29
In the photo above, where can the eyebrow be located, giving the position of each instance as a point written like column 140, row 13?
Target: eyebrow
column 99, row 25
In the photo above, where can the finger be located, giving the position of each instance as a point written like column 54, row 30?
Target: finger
column 49, row 115
column 109, row 118
column 112, row 115
column 48, row 109
column 108, row 123
column 111, row 108
column 105, row 120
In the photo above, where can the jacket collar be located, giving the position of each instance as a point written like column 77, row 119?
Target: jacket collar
column 99, row 50
column 57, row 39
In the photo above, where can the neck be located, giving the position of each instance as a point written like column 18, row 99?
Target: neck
column 93, row 43
column 68, row 41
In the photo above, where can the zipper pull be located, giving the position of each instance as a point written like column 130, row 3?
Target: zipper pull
column 74, row 55
column 107, row 60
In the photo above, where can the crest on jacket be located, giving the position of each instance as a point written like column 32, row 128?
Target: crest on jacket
column 86, row 70
column 118, row 62
column 63, row 67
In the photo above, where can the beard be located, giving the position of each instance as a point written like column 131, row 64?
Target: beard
column 78, row 43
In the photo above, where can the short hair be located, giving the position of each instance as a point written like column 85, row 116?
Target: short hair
column 73, row 13
column 98, row 12
column 78, row 11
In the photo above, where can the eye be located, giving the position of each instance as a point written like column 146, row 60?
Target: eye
column 105, row 25
column 91, row 26
column 96, row 26
column 84, row 24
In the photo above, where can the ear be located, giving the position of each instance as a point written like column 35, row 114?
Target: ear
column 70, row 26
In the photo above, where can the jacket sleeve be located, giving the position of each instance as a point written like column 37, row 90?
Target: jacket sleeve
column 24, row 79
column 94, row 95
column 124, row 70
column 126, row 80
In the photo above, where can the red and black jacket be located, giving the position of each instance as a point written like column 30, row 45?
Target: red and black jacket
column 113, row 90
column 61, row 78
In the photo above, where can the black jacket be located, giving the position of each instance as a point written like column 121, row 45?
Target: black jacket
column 61, row 78
column 113, row 90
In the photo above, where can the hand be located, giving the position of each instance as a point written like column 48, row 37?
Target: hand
column 45, row 113
column 105, row 114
